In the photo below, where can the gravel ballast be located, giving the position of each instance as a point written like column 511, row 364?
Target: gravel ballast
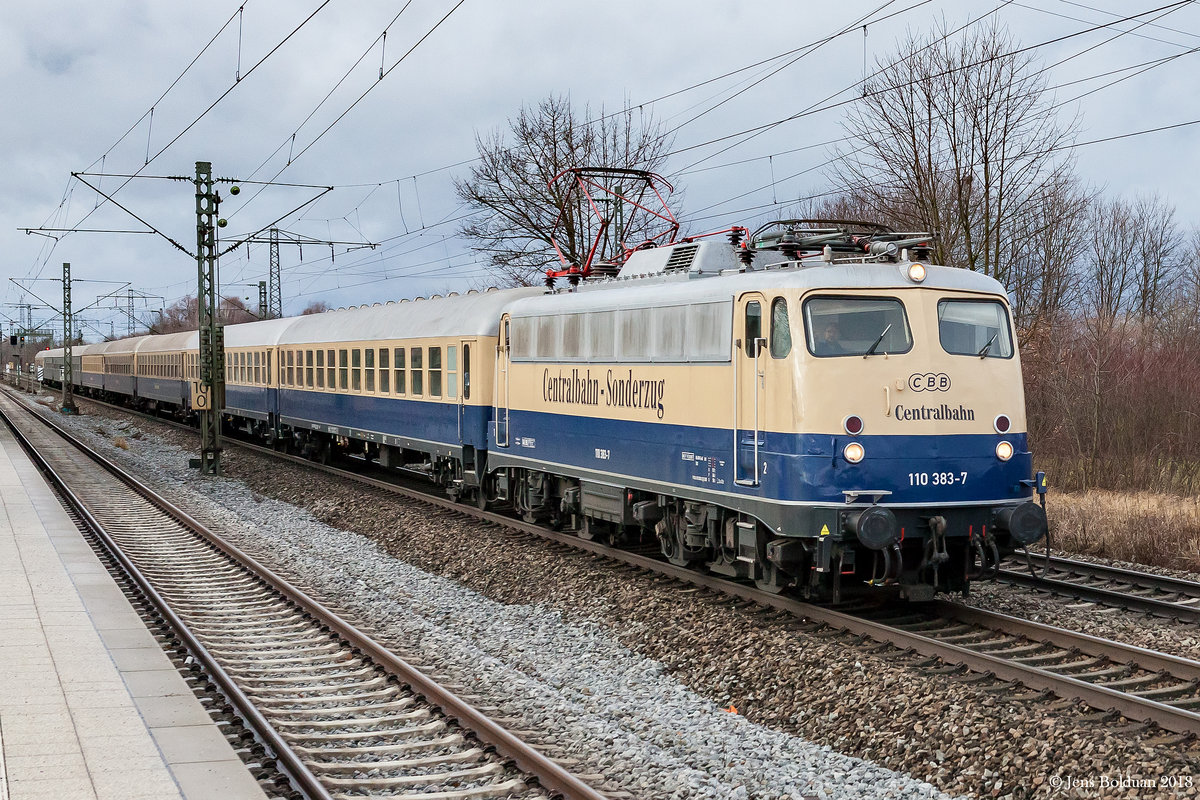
column 635, row 673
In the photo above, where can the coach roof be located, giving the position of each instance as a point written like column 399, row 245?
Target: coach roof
column 474, row 314
column 169, row 343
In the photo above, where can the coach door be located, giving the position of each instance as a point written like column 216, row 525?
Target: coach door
column 464, row 433
column 500, row 403
column 749, row 390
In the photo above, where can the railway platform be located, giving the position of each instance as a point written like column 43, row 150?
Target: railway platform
column 90, row 706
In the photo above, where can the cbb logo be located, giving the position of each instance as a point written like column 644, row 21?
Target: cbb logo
column 929, row 382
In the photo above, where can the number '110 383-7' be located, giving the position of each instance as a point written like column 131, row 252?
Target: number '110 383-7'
column 937, row 478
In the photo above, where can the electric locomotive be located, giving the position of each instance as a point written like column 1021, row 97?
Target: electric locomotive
column 808, row 423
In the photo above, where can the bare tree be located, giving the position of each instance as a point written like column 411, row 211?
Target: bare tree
column 315, row 307
column 1044, row 281
column 514, row 208
column 1160, row 255
column 233, row 311
column 183, row 314
column 957, row 135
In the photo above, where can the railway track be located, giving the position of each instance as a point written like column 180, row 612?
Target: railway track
column 343, row 717
column 1139, row 684
column 1160, row 595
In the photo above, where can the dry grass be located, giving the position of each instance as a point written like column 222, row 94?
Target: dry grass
column 1146, row 527
column 121, row 442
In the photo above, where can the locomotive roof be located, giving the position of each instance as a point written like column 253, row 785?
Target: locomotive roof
column 682, row 288
column 474, row 314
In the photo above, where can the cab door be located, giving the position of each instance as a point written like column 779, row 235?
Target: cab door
column 749, row 391
column 500, row 397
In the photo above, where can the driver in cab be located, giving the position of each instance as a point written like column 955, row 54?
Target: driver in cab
column 830, row 343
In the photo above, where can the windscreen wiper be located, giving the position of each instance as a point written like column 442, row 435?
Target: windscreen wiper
column 871, row 351
column 983, row 351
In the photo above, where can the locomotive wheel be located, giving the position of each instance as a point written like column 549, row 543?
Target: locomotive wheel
column 673, row 548
column 773, row 581
column 593, row 530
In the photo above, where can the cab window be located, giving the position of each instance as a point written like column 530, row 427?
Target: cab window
column 856, row 326
column 753, row 327
column 974, row 328
column 781, row 329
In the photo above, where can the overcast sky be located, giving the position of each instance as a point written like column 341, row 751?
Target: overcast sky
column 80, row 79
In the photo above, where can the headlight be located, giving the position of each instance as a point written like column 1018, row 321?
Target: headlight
column 853, row 452
column 1004, row 451
column 916, row 272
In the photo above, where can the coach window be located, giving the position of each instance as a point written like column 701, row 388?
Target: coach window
column 356, row 373
column 308, row 368
column 781, row 329
column 435, row 372
column 417, row 365
column 753, row 326
column 267, row 369
column 331, row 369
column 466, row 372
column 291, row 368
column 257, row 367
column 320, row 369
column 385, row 371
column 452, row 371
column 369, row 368
column 344, row 369
column 398, row 366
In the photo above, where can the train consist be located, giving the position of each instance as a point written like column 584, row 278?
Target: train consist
column 809, row 407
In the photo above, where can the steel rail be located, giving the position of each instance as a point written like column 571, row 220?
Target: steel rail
column 549, row 774
column 1157, row 606
column 1169, row 717
column 288, row 761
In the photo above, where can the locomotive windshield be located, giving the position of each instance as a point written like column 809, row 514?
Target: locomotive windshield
column 974, row 328
column 856, row 326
